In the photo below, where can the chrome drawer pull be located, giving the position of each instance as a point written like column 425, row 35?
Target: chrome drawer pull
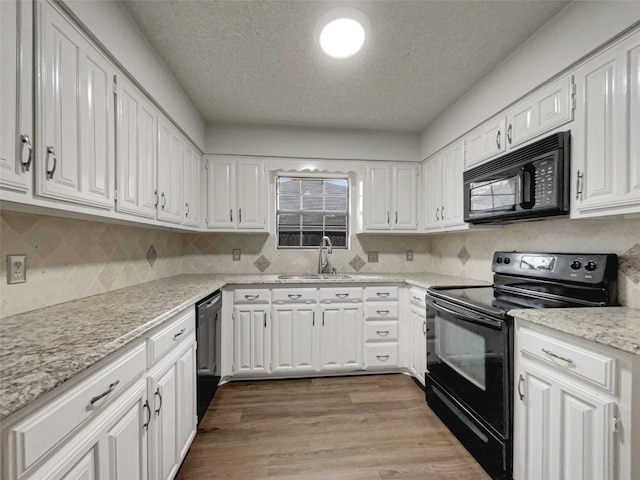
column 148, row 409
column 251, row 297
column 417, row 299
column 342, row 295
column 105, row 393
column 157, row 412
column 382, row 357
column 550, row 353
column 382, row 312
column 382, row 333
column 51, row 152
column 26, row 142
column 382, row 294
column 520, row 382
column 293, row 296
column 178, row 334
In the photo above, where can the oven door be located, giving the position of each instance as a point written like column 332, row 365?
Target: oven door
column 468, row 356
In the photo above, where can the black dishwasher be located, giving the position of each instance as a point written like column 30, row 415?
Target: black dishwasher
column 208, row 358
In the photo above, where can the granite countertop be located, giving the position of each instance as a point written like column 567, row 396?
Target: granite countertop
column 617, row 327
column 41, row 349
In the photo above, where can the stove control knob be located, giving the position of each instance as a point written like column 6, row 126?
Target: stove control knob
column 575, row 265
column 507, row 260
column 590, row 266
column 499, row 260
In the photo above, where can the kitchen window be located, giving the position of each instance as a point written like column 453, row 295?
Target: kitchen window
column 308, row 208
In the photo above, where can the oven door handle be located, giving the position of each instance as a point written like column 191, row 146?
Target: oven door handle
column 466, row 316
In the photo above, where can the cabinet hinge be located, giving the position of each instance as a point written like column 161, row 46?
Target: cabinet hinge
column 115, row 84
column 615, row 425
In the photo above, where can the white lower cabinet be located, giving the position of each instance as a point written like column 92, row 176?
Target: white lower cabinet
column 341, row 337
column 251, row 340
column 417, row 323
column 573, row 403
column 294, row 339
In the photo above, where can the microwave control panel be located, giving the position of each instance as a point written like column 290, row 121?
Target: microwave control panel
column 544, row 181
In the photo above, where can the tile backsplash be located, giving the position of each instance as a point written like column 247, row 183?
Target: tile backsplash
column 69, row 259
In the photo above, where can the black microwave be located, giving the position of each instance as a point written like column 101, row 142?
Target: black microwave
column 530, row 182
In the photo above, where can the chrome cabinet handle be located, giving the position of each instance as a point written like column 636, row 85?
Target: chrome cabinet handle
column 387, row 217
column 313, row 319
column 187, row 212
column 265, row 319
column 146, row 406
column 164, row 201
column 520, row 382
column 424, row 327
column 555, row 355
column 239, row 215
column 157, row 393
column 105, row 393
column 417, row 299
column 294, row 296
column 323, row 319
column 382, row 333
column 579, row 182
column 157, row 200
column 442, row 212
column 509, row 132
column 382, row 357
column 498, row 139
column 51, row 151
column 396, row 217
column 382, row 294
column 342, row 295
column 437, row 214
column 178, row 334
column 382, row 312
column 251, row 297
column 231, row 215
column 26, row 141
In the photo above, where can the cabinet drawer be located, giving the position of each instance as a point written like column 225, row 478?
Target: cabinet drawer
column 344, row 294
column 417, row 295
column 294, row 295
column 163, row 341
column 381, row 331
column 40, row 432
column 381, row 310
column 251, row 295
column 572, row 359
column 381, row 293
column 382, row 355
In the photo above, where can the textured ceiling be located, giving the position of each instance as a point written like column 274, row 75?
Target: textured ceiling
column 256, row 61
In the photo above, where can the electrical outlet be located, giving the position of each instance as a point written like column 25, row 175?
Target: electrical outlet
column 409, row 255
column 372, row 257
column 16, row 269
column 236, row 254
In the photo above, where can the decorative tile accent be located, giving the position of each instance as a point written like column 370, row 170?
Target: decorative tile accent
column 357, row 263
column 262, row 263
column 629, row 263
column 151, row 255
column 464, row 255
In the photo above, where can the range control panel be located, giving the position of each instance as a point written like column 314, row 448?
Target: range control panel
column 590, row 268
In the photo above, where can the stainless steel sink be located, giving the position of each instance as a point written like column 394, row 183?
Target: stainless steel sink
column 323, row 276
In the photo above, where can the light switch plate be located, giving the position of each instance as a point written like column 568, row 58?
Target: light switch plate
column 236, row 254
column 372, row 257
column 409, row 255
column 16, row 269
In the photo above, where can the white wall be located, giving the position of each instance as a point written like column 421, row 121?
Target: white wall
column 575, row 31
column 301, row 142
column 114, row 28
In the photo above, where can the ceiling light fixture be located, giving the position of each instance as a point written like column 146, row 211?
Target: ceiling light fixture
column 341, row 33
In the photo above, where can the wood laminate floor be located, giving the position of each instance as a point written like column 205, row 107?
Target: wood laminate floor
column 374, row 427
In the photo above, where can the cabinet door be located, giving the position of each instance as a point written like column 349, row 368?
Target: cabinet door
column 16, row 130
column 352, row 334
column 405, row 201
column 293, row 339
column 251, row 340
column 85, row 469
column 75, row 114
column 485, row 141
column 221, row 194
column 541, row 112
column 170, row 206
column 341, row 338
column 163, row 399
column 186, row 400
column 605, row 152
column 418, row 324
column 137, row 127
column 432, row 192
column 452, row 209
column 377, row 198
column 251, row 200
column 192, row 182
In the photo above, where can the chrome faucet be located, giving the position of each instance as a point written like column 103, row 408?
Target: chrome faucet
column 325, row 244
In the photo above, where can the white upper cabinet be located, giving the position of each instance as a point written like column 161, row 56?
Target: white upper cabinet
column 170, row 149
column 192, row 186
column 137, row 129
column 391, row 197
column 75, row 114
column 545, row 109
column 236, row 194
column 605, row 160
column 16, row 86
column 443, row 183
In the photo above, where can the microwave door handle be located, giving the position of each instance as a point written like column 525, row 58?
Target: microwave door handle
column 527, row 187
column 466, row 316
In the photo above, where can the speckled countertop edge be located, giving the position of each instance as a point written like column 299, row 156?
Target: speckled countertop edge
column 63, row 340
column 617, row 327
